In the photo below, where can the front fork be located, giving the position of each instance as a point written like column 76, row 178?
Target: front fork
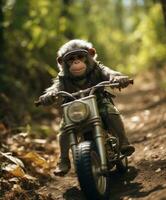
column 73, row 143
column 100, row 142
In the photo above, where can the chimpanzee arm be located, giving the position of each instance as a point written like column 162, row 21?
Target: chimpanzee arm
column 54, row 88
column 48, row 97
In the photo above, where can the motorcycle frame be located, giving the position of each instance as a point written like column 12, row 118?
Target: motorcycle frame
column 94, row 120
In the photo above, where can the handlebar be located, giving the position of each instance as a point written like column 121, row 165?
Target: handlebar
column 37, row 103
column 90, row 90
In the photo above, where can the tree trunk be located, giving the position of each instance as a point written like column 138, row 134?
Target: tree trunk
column 163, row 4
column 3, row 68
column 1, row 32
column 69, row 34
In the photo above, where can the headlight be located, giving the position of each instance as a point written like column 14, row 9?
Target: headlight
column 78, row 111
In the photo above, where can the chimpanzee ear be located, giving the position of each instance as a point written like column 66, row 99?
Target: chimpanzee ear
column 59, row 60
column 92, row 51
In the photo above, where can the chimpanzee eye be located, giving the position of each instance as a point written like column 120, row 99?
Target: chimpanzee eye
column 71, row 58
column 80, row 56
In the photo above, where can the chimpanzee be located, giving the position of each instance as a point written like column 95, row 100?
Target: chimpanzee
column 79, row 69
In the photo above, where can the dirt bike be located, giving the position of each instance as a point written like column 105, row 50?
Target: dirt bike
column 95, row 152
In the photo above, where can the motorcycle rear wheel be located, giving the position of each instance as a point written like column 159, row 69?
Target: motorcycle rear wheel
column 93, row 184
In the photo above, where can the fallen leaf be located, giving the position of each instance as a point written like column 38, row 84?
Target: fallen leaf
column 39, row 141
column 15, row 170
column 158, row 170
column 17, row 188
column 15, row 180
column 27, row 176
column 36, row 159
column 147, row 112
column 21, row 135
column 14, row 159
column 149, row 135
column 135, row 119
column 146, row 148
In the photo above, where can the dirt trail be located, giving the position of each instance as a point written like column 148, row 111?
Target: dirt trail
column 144, row 116
column 144, row 113
column 143, row 109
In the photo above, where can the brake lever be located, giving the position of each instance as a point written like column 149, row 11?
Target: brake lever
column 131, row 81
column 37, row 103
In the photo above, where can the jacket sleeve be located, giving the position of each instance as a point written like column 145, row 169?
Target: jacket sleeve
column 48, row 97
column 108, row 74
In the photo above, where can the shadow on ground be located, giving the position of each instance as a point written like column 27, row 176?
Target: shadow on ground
column 73, row 194
column 121, row 186
column 125, row 186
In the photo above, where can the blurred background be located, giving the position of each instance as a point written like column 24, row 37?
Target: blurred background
column 129, row 35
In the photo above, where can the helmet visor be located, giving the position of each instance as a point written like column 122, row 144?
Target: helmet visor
column 80, row 54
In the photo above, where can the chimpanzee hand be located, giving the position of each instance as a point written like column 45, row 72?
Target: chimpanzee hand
column 47, row 99
column 122, row 80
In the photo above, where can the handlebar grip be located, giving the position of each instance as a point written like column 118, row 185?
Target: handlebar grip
column 37, row 103
column 131, row 81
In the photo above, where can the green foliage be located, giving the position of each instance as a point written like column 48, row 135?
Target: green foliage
column 150, row 42
column 128, row 35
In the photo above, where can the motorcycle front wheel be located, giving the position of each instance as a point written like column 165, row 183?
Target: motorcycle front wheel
column 92, row 182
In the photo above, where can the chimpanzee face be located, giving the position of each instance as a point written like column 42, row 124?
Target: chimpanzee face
column 76, row 63
column 76, row 58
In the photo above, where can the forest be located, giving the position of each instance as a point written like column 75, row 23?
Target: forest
column 129, row 36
